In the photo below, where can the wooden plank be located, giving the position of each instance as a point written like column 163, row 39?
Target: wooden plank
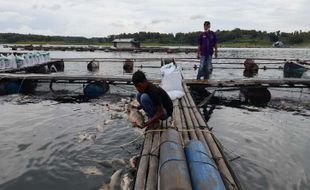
column 61, row 77
column 248, row 82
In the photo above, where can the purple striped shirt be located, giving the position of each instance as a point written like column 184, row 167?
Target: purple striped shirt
column 207, row 41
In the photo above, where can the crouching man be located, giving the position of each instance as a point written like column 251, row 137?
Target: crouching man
column 153, row 100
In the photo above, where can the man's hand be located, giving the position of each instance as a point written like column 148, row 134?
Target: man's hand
column 140, row 126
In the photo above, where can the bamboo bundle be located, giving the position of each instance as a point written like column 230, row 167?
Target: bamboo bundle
column 214, row 149
column 194, row 123
column 189, row 122
column 144, row 162
column 152, row 177
column 200, row 119
column 176, row 115
column 185, row 134
column 291, row 82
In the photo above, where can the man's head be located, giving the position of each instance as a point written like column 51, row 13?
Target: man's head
column 206, row 25
column 140, row 81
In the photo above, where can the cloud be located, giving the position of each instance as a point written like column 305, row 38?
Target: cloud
column 24, row 29
column 101, row 18
column 14, row 17
column 158, row 21
column 51, row 7
column 196, row 17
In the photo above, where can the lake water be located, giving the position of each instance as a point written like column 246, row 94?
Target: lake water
column 41, row 145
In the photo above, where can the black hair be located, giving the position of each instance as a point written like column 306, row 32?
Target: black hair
column 206, row 23
column 138, row 77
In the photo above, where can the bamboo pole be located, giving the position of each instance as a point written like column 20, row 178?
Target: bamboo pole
column 194, row 122
column 249, row 82
column 200, row 119
column 188, row 120
column 242, row 58
column 219, row 160
column 185, row 134
column 152, row 178
column 143, row 165
column 176, row 114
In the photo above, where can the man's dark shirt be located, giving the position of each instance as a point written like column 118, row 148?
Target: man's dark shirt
column 207, row 41
column 160, row 97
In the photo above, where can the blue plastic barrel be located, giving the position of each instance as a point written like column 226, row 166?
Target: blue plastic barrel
column 95, row 89
column 292, row 69
column 203, row 171
column 12, row 88
column 173, row 170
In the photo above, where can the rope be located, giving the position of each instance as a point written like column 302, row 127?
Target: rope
column 170, row 161
column 149, row 154
column 203, row 162
column 179, row 130
column 3, row 78
column 21, row 84
column 129, row 143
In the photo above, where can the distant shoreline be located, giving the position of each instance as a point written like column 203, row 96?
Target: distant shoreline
column 156, row 45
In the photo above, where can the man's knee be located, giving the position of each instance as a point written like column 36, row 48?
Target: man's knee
column 145, row 98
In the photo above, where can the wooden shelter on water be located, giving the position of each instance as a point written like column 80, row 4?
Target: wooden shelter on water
column 126, row 43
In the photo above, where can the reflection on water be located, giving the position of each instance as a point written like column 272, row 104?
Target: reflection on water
column 67, row 143
column 272, row 145
column 44, row 147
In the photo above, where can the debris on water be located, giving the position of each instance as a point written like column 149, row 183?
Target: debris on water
column 133, row 161
column 87, row 136
column 116, row 116
column 120, row 180
column 250, row 108
column 125, row 100
column 113, row 163
column 290, row 105
column 92, row 170
column 99, row 128
column 116, row 108
column 134, row 103
column 22, row 147
column 106, row 122
column 71, row 98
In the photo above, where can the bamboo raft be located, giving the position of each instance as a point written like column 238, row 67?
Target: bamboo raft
column 190, row 124
column 61, row 78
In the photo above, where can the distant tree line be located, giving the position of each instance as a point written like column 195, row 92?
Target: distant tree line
column 234, row 36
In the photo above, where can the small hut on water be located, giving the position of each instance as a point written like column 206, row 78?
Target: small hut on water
column 126, row 43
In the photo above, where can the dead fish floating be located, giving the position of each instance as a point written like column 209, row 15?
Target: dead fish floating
column 120, row 180
column 135, row 117
column 91, row 171
column 116, row 116
column 87, row 136
column 99, row 128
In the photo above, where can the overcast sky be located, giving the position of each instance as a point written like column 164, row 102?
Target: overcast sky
column 100, row 18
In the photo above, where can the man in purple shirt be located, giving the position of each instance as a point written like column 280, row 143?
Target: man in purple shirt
column 207, row 45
